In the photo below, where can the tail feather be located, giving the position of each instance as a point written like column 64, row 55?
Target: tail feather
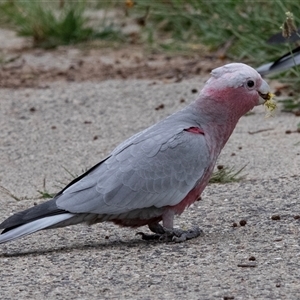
column 33, row 226
column 37, row 212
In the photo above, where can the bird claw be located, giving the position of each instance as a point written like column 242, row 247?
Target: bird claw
column 184, row 235
column 172, row 235
column 149, row 237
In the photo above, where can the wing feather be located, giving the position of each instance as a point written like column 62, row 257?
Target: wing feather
column 155, row 171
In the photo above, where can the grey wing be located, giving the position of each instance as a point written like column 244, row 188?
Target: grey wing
column 153, row 172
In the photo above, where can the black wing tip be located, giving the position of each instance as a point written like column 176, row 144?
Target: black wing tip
column 42, row 210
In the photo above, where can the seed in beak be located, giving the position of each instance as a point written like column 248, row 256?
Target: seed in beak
column 267, row 96
column 270, row 104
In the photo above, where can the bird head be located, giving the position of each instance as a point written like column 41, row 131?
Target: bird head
column 234, row 89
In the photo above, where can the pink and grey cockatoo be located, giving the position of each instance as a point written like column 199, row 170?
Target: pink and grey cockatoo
column 157, row 173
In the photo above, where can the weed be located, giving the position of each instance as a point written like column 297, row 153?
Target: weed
column 293, row 104
column 289, row 105
column 239, row 27
column 45, row 195
column 12, row 195
column 50, row 26
column 226, row 175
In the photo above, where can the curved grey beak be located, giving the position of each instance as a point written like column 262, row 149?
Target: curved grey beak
column 264, row 93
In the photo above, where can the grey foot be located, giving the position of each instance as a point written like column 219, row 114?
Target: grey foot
column 170, row 235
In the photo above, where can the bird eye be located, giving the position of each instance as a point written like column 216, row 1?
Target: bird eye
column 250, row 83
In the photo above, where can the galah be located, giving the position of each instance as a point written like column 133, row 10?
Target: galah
column 158, row 172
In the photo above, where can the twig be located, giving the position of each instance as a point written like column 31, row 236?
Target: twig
column 247, row 265
column 261, row 130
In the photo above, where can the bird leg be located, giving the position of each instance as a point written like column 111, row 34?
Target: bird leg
column 170, row 234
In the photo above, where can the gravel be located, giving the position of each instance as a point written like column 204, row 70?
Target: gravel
column 48, row 134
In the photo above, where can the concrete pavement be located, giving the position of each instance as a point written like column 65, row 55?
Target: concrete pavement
column 71, row 126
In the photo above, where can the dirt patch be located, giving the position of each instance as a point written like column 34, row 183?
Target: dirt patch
column 35, row 68
column 23, row 66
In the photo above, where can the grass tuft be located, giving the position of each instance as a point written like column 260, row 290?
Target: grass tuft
column 45, row 195
column 51, row 26
column 238, row 29
column 234, row 29
column 226, row 175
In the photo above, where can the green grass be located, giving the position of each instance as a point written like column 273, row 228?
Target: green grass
column 50, row 24
column 45, row 194
column 221, row 175
column 237, row 29
column 11, row 194
column 226, row 175
column 290, row 105
column 232, row 29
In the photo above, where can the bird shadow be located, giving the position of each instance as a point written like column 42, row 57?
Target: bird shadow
column 105, row 246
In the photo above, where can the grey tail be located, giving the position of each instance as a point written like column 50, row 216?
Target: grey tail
column 43, row 216
column 33, row 219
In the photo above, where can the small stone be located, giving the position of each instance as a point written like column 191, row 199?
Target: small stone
column 275, row 217
column 243, row 222
column 252, row 258
column 161, row 106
